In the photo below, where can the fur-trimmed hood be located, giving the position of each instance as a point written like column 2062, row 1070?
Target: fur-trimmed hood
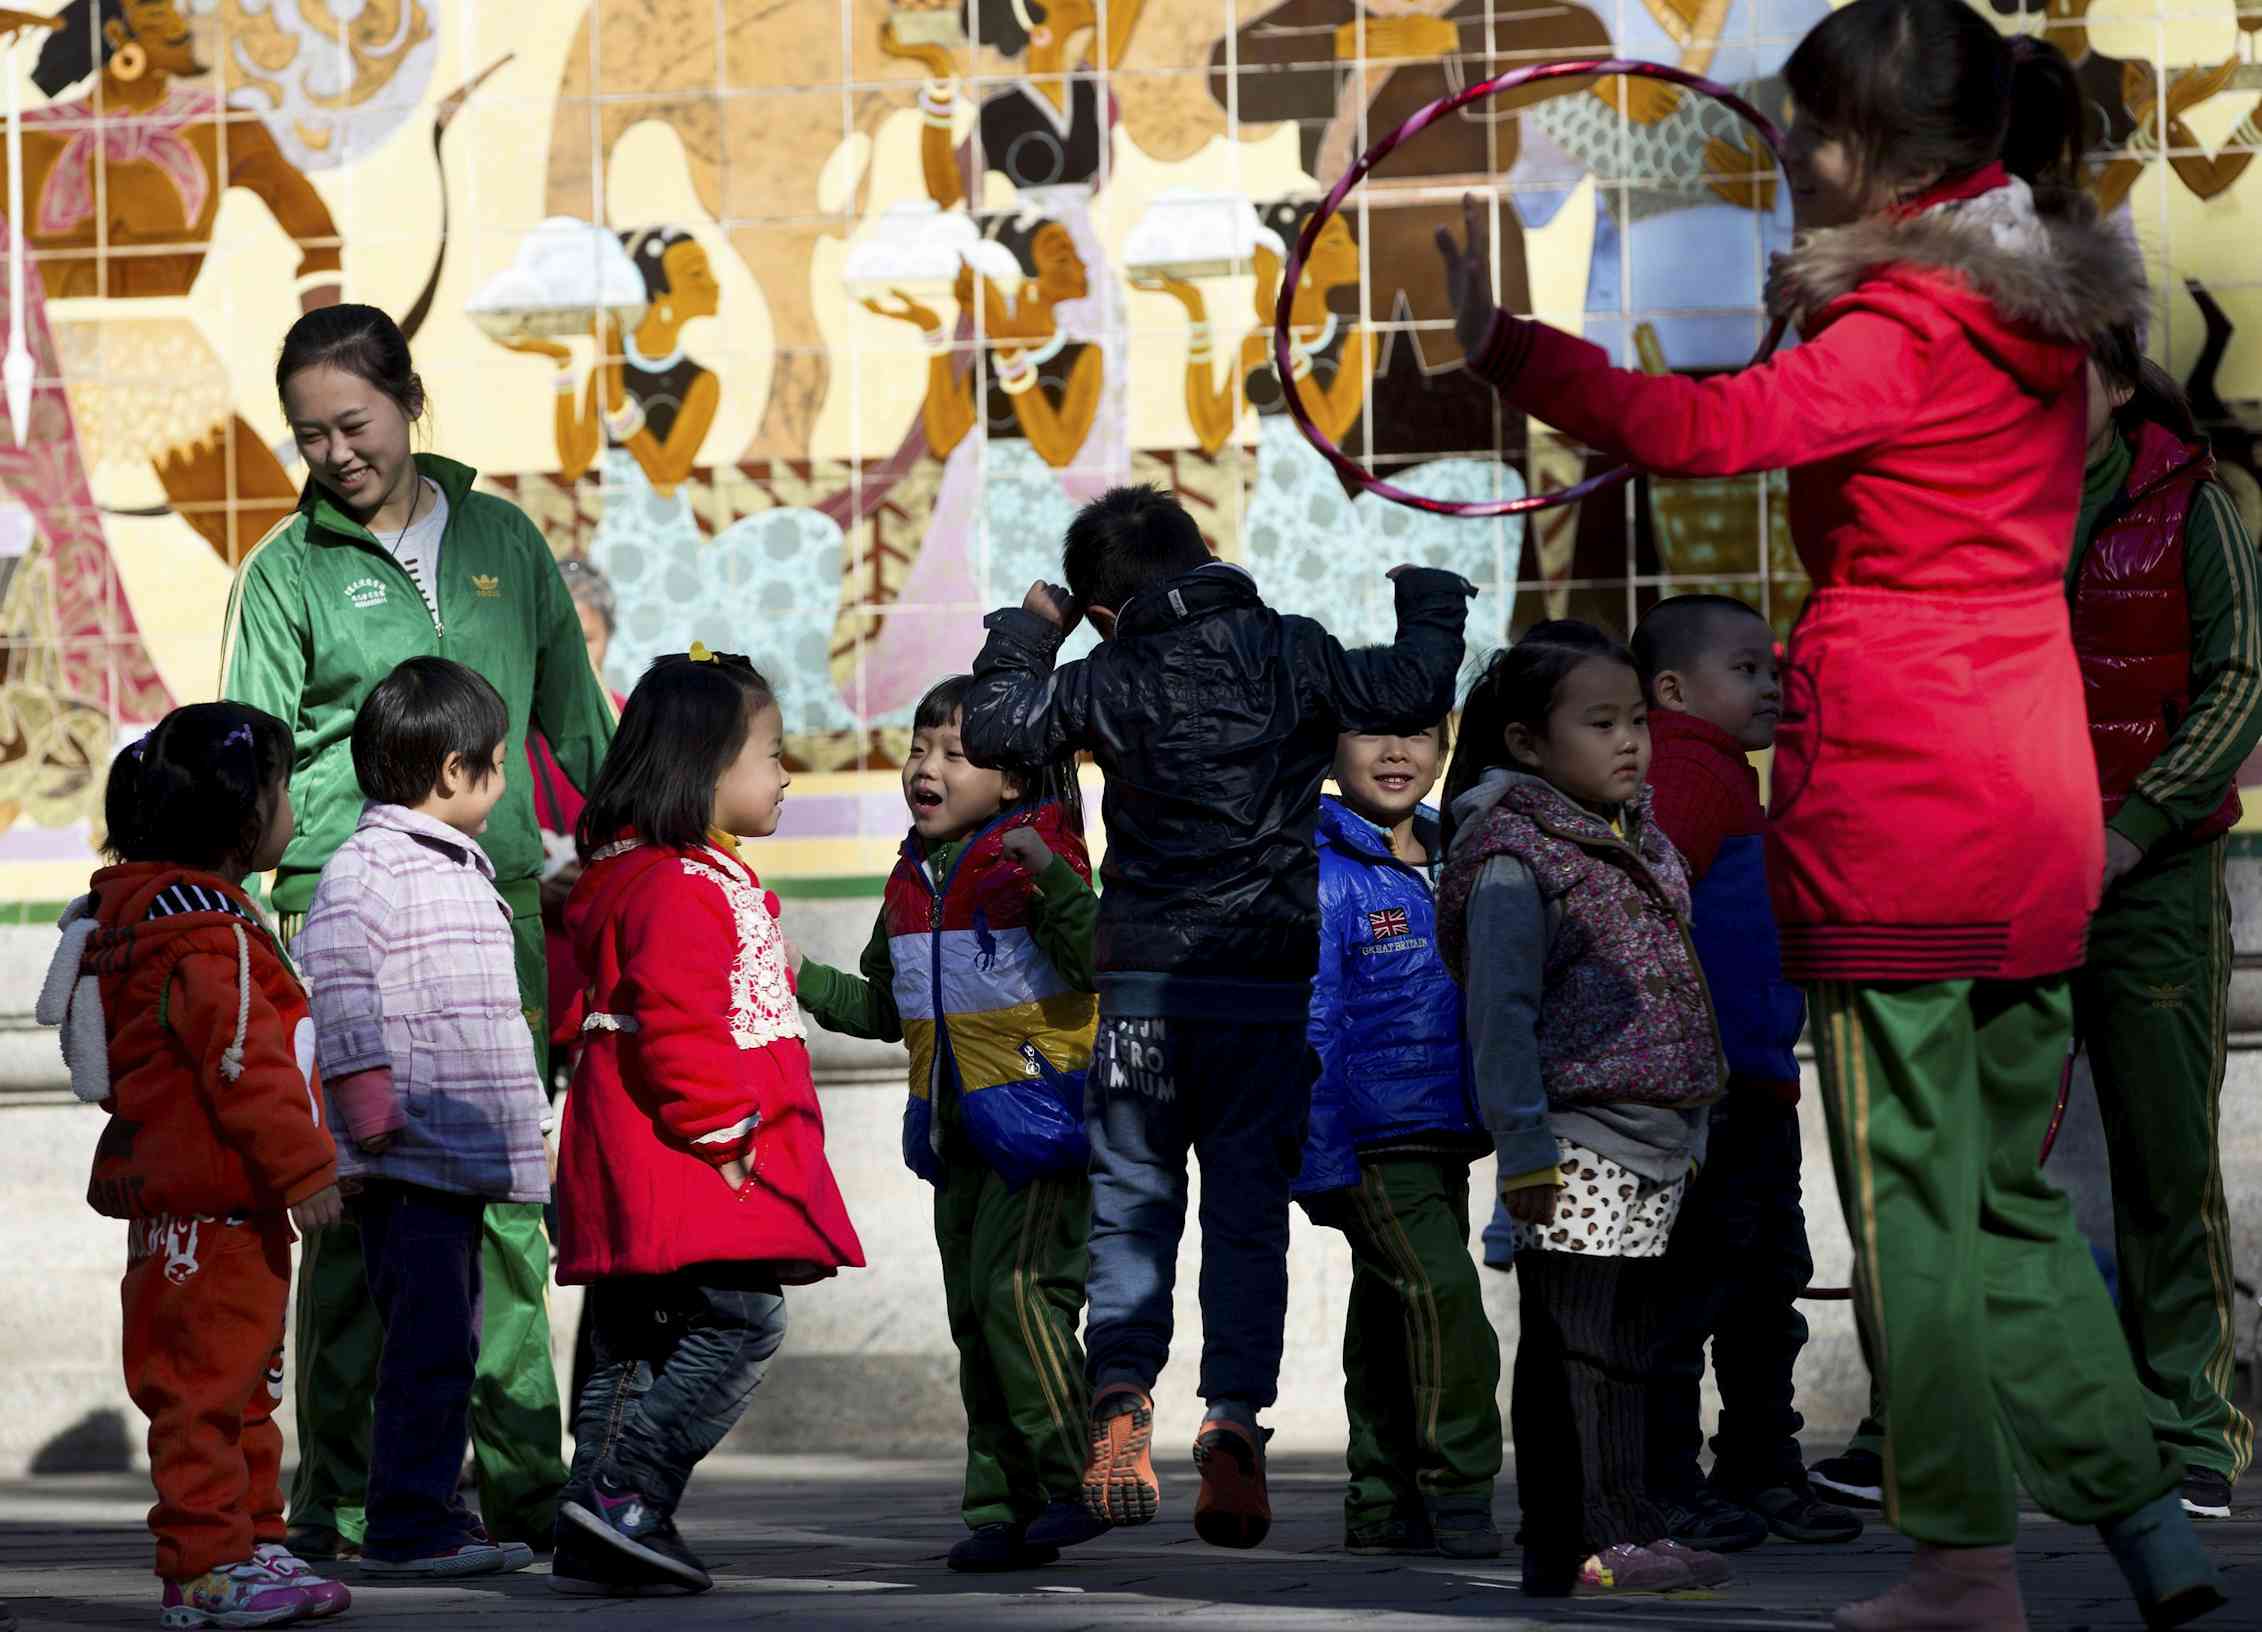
column 2055, row 279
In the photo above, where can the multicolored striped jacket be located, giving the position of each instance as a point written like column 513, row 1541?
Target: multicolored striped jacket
column 993, row 1027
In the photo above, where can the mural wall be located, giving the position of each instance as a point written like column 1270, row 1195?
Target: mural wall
column 810, row 322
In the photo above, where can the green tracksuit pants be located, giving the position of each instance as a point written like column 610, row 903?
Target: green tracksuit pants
column 2152, row 1005
column 1013, row 1264
column 1981, row 1312
column 1421, row 1364
column 517, row 1440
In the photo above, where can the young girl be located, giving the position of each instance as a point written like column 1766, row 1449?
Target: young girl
column 1564, row 911
column 183, row 1019
column 1935, row 854
column 1386, row 1161
column 692, row 1184
column 992, row 904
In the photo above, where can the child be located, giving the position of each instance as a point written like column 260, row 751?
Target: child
column 992, row 898
column 1738, row 1260
column 1215, row 719
column 431, row 1071
column 692, row 1183
column 1386, row 1161
column 182, row 1018
column 1935, row 856
column 1564, row 911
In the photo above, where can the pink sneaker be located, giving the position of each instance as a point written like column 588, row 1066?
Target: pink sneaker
column 1710, row 1569
column 246, row 1594
column 1627, row 1568
column 327, row 1597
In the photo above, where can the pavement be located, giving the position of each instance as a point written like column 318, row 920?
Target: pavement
column 840, row 1542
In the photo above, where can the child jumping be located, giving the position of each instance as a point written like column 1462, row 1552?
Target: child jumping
column 1739, row 1260
column 431, row 1071
column 1215, row 719
column 1386, row 1161
column 182, row 1019
column 992, row 906
column 1564, row 911
column 692, row 1182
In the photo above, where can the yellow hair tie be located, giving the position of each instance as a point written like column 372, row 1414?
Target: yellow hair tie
column 700, row 654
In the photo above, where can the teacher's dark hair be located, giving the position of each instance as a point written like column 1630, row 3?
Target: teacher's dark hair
column 360, row 340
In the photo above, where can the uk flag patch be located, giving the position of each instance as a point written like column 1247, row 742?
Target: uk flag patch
column 1389, row 924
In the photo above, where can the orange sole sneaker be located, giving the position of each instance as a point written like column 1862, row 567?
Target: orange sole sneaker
column 1119, row 1475
column 1233, row 1509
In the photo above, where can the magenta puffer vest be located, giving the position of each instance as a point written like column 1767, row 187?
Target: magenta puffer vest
column 1626, row 1017
column 2132, row 623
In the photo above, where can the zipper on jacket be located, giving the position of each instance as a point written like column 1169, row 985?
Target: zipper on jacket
column 934, row 952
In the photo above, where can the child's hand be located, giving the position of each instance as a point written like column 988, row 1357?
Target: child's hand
column 1022, row 845
column 376, row 1144
column 793, row 959
column 736, row 1171
column 320, row 1210
column 1534, row 1204
column 1051, row 603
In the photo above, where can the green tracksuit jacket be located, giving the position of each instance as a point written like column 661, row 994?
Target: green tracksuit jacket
column 322, row 611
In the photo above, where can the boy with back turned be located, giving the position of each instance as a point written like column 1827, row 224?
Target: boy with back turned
column 1215, row 720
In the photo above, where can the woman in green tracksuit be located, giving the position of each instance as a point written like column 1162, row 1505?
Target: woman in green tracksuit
column 391, row 555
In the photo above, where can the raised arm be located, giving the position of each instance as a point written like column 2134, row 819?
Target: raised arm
column 1408, row 683
column 1020, row 710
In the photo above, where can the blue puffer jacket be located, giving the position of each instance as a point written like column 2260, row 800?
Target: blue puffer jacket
column 1386, row 1016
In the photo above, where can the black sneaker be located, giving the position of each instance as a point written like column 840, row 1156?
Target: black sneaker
column 1857, row 1478
column 1065, row 1524
column 625, row 1523
column 584, row 1568
column 1388, row 1537
column 1708, row 1522
column 2206, row 1494
column 1794, row 1512
column 997, row 1547
column 1464, row 1528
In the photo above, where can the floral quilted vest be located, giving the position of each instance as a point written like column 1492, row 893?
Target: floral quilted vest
column 1626, row 1018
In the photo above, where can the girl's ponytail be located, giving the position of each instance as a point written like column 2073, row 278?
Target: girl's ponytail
column 2045, row 136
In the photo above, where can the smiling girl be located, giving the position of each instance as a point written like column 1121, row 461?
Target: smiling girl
column 391, row 555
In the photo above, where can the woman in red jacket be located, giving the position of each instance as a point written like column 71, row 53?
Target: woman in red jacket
column 692, row 1183
column 1936, row 852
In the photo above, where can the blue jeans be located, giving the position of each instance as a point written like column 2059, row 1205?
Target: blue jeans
column 420, row 1251
column 1237, row 1093
column 674, row 1359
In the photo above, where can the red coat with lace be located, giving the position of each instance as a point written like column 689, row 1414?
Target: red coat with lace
column 695, row 1058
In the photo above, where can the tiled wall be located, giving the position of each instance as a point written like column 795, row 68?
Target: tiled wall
column 896, row 288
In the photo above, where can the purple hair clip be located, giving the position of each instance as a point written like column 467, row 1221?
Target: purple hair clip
column 139, row 746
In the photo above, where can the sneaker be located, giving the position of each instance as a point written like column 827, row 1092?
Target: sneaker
column 2206, row 1494
column 246, row 1594
column 1708, row 1520
column 998, row 1547
column 582, row 1568
column 1710, row 1569
column 1233, row 1509
column 467, row 1558
column 321, row 1544
column 1626, row 1568
column 327, row 1597
column 1464, row 1529
column 1119, row 1475
column 1794, row 1512
column 1856, row 1478
column 1947, row 1589
column 1389, row 1537
column 623, row 1521
column 1065, row 1524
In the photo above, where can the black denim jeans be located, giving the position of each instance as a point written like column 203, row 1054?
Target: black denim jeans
column 674, row 1359
column 420, row 1249
column 1733, row 1274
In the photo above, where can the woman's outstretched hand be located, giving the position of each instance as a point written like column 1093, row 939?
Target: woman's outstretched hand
column 1468, row 276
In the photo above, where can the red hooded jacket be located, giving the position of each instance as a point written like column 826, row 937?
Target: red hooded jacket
column 1935, row 796
column 214, row 1103
column 695, row 1057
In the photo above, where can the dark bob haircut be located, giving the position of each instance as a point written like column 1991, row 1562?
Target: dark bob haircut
column 422, row 714
column 2152, row 391
column 195, row 791
column 1517, row 687
column 687, row 719
column 1126, row 540
column 1054, row 784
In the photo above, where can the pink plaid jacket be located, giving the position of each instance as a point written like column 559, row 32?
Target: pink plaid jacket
column 407, row 949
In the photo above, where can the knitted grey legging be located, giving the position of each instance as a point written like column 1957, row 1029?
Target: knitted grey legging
column 1580, row 1405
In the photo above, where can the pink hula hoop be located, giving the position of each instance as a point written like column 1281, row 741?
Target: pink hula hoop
column 1598, row 67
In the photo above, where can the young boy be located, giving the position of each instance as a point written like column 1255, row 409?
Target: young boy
column 432, row 1079
column 994, row 890
column 1215, row 719
column 1386, row 1161
column 1738, row 1259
